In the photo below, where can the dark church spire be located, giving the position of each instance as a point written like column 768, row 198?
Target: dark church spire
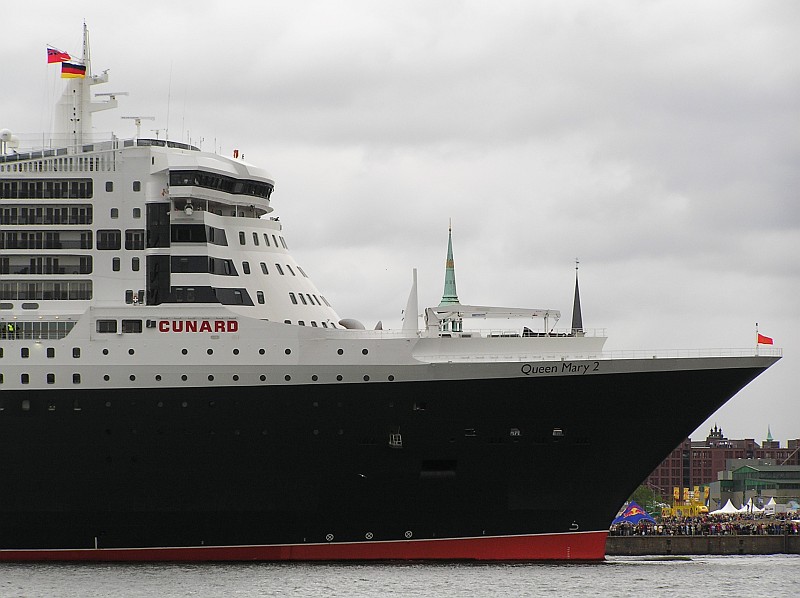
column 577, row 318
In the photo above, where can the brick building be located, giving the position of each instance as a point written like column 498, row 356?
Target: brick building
column 696, row 462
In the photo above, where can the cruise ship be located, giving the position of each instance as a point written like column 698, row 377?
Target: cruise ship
column 173, row 385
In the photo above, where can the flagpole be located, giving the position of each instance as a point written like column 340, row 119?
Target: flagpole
column 756, row 338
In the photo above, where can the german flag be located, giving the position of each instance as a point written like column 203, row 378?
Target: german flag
column 70, row 70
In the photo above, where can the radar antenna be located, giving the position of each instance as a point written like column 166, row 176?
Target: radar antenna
column 138, row 122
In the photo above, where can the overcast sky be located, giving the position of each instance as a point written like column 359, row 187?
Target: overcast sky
column 658, row 142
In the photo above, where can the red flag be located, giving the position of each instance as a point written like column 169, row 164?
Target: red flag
column 764, row 340
column 56, row 55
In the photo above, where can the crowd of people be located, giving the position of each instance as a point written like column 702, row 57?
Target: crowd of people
column 712, row 525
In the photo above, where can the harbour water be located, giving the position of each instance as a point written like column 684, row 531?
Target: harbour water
column 773, row 576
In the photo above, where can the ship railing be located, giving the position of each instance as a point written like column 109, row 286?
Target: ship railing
column 605, row 355
column 108, row 142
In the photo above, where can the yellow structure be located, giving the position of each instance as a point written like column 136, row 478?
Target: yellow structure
column 687, row 503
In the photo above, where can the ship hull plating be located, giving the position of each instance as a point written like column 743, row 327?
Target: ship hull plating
column 512, row 468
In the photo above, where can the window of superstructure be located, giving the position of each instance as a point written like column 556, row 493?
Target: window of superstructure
column 109, row 239
column 313, row 323
column 302, row 272
column 107, row 326
column 109, row 186
column 274, row 240
column 255, row 239
column 264, row 268
column 137, row 186
column 279, row 269
column 115, row 264
column 24, row 352
column 283, row 243
column 115, row 212
column 302, row 299
column 51, row 378
column 134, row 239
column 301, row 323
column 246, row 267
column 137, row 212
column 293, row 298
column 310, row 298
column 135, row 264
column 241, row 238
column 131, row 326
column 325, row 301
column 266, row 239
column 260, row 296
column 288, row 267
column 324, row 325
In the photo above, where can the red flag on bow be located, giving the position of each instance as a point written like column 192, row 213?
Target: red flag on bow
column 56, row 55
column 763, row 340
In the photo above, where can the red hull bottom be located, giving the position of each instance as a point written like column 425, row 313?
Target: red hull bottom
column 579, row 546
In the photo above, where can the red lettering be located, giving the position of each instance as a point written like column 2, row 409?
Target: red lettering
column 177, row 326
column 219, row 326
column 163, row 326
column 191, row 325
column 205, row 326
column 233, row 326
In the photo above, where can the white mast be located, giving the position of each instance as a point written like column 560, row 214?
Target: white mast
column 73, row 122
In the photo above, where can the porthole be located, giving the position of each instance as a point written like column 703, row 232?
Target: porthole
column 184, row 404
column 340, row 351
column 105, row 351
column 212, row 403
column 261, row 351
column 288, row 351
column 287, row 377
column 106, row 377
column 315, row 404
column 184, row 377
column 263, row 432
column 316, row 432
column 364, row 351
column 236, row 351
column 262, row 377
column 131, row 351
column 210, row 377
column 366, row 378
column 184, row 351
column 160, row 404
column 340, row 432
column 158, row 377
column 132, row 377
column 235, row 378
column 391, row 378
column 108, row 403
column 315, row 377
column 339, row 377
column 210, row 351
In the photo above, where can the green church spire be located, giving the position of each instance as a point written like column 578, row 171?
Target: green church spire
column 450, row 295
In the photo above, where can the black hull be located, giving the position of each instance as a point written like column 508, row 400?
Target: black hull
column 313, row 464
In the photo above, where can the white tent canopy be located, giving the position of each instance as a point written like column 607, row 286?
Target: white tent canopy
column 726, row 509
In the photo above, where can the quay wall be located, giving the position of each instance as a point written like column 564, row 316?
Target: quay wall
column 695, row 545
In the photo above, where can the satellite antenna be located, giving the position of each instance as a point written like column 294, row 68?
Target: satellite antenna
column 7, row 140
column 138, row 122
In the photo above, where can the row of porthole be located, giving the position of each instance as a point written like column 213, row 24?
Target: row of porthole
column 262, row 377
column 76, row 378
column 236, row 351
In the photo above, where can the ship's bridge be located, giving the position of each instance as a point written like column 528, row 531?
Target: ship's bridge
column 213, row 183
